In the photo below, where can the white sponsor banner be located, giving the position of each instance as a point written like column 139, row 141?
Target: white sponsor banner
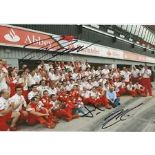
column 108, row 52
column 99, row 50
column 149, row 59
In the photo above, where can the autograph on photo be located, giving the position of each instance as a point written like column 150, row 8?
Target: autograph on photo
column 61, row 49
column 89, row 112
column 118, row 116
column 112, row 119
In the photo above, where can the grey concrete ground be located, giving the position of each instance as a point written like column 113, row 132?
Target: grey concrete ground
column 131, row 116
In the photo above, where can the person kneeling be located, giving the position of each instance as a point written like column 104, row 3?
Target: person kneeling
column 140, row 89
column 19, row 103
column 131, row 90
column 37, row 114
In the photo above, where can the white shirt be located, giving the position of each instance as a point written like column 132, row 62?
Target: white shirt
column 138, row 86
column 103, row 81
column 31, row 94
column 69, row 87
column 87, row 73
column 53, row 77
column 55, row 104
column 97, row 72
column 37, row 78
column 74, row 76
column 117, row 84
column 127, row 76
column 105, row 88
column 105, row 72
column 116, row 75
column 135, row 73
column 53, row 91
column 122, row 72
column 85, row 94
column 22, row 80
column 83, row 67
column 62, row 77
column 95, row 84
column 130, row 87
column 3, row 84
column 31, row 80
column 93, row 94
column 93, row 72
column 83, row 84
column 146, row 73
column 80, row 87
column 41, row 89
column 69, row 68
column 4, row 103
column 47, row 67
column 89, row 86
column 123, row 84
column 18, row 100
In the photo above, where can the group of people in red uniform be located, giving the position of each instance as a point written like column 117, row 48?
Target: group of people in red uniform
column 59, row 90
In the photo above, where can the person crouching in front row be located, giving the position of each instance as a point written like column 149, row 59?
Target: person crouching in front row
column 114, row 101
column 19, row 104
column 37, row 114
column 140, row 89
column 131, row 90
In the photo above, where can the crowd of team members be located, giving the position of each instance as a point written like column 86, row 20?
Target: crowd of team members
column 59, row 90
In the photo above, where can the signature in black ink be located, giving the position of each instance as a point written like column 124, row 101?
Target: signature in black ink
column 118, row 116
column 61, row 50
column 90, row 111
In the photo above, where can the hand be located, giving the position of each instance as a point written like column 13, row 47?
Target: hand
column 15, row 106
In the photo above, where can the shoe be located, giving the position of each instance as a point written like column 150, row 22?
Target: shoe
column 68, row 119
column 76, row 116
column 51, row 126
column 13, row 128
column 108, row 107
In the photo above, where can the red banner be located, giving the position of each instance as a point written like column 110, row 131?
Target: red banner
column 19, row 37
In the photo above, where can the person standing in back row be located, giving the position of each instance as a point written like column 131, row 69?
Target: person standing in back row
column 146, row 80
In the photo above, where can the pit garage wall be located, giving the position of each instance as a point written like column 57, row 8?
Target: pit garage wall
column 12, row 55
column 86, row 35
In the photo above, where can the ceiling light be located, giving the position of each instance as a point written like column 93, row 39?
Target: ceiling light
column 130, row 39
column 110, row 31
column 122, row 36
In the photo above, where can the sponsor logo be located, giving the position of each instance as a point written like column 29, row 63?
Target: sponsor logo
column 11, row 36
column 109, row 53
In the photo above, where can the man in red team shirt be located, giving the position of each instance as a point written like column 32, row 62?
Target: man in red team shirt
column 46, row 100
column 146, row 80
column 64, row 109
column 37, row 114
column 131, row 89
column 140, row 89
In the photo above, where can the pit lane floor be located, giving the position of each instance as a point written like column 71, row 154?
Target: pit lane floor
column 135, row 114
column 140, row 119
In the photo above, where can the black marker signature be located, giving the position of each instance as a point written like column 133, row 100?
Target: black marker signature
column 64, row 50
column 118, row 116
column 47, row 48
column 89, row 112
